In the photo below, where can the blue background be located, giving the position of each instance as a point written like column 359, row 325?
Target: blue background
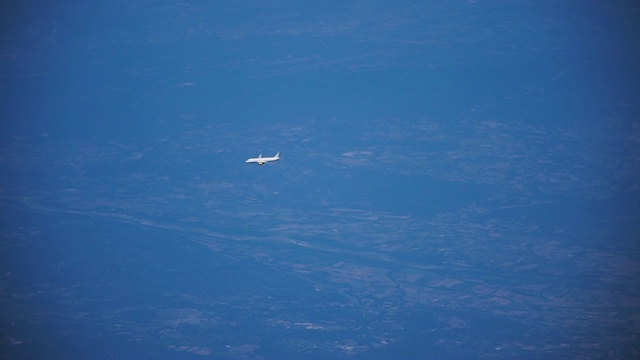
column 458, row 179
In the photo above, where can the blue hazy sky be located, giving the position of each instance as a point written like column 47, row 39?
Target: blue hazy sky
column 458, row 179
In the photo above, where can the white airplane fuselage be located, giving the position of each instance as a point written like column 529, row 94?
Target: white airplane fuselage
column 263, row 160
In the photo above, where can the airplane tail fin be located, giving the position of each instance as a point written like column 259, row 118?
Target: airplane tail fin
column 277, row 155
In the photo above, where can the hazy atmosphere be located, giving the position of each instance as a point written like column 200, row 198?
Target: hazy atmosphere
column 458, row 179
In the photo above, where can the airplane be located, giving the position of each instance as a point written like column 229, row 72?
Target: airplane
column 263, row 160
